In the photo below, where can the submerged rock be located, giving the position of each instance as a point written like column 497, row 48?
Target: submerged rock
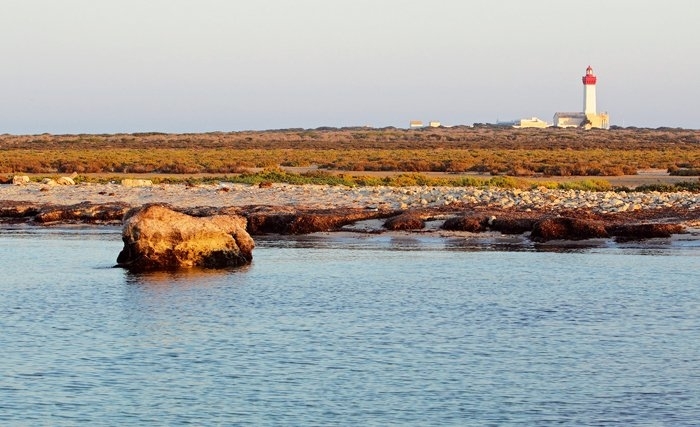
column 158, row 238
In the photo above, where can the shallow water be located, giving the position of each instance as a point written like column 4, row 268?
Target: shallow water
column 343, row 330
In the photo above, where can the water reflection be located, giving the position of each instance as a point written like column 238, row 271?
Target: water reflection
column 406, row 242
column 478, row 243
column 185, row 276
column 475, row 243
column 300, row 242
column 64, row 232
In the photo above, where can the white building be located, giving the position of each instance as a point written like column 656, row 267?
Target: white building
column 419, row 124
column 533, row 122
column 569, row 120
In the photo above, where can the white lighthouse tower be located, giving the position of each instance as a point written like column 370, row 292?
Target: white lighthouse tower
column 589, row 81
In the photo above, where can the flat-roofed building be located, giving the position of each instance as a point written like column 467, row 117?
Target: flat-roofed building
column 533, row 122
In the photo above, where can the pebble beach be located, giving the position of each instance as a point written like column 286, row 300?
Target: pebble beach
column 329, row 197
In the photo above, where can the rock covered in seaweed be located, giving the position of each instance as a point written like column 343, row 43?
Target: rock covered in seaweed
column 566, row 228
column 406, row 221
column 158, row 238
column 85, row 212
column 305, row 221
column 625, row 232
column 468, row 222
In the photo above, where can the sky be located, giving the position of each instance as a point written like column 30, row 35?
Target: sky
column 111, row 66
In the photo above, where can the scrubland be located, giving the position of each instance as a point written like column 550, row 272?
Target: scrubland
column 493, row 151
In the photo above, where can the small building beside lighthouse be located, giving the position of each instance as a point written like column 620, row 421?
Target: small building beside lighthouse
column 589, row 117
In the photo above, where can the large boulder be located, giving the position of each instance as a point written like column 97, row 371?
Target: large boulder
column 158, row 238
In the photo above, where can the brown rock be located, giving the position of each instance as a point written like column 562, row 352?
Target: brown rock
column 626, row 232
column 14, row 210
column 201, row 211
column 85, row 212
column 158, row 238
column 469, row 223
column 263, row 223
column 512, row 225
column 405, row 221
column 305, row 222
column 563, row 228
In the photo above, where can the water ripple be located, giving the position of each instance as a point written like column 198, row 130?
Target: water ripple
column 319, row 333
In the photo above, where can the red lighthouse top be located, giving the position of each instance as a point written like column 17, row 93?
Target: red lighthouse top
column 589, row 78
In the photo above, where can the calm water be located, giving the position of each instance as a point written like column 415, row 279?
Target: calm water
column 350, row 331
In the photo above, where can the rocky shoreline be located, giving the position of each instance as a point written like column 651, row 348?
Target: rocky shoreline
column 541, row 213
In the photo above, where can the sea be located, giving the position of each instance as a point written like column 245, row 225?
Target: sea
column 351, row 330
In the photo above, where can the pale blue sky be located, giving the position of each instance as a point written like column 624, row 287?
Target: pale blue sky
column 94, row 66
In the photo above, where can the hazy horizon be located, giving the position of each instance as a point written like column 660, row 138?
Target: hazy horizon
column 185, row 66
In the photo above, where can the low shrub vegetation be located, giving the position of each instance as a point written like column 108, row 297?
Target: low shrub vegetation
column 459, row 150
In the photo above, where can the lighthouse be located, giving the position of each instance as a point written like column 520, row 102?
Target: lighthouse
column 589, row 81
column 589, row 117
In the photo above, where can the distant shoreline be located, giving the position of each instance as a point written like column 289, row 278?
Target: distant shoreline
column 547, row 154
